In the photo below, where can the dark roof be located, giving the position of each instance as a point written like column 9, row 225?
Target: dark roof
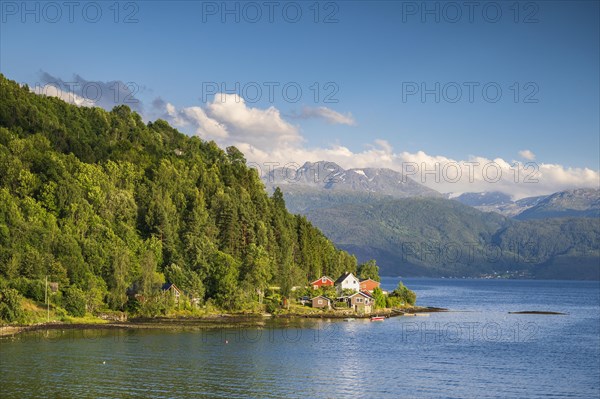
column 167, row 286
column 342, row 277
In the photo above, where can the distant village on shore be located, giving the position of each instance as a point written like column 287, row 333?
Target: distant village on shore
column 348, row 293
column 351, row 293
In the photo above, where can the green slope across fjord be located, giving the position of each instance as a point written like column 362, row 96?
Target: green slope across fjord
column 438, row 237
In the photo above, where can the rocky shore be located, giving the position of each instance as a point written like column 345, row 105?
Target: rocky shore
column 211, row 321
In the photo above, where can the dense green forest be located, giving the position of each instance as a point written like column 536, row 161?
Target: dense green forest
column 109, row 207
column 438, row 237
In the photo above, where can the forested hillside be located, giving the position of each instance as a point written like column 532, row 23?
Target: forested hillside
column 107, row 205
column 439, row 237
column 413, row 237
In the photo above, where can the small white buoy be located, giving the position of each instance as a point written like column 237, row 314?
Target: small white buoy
column 226, row 342
column 104, row 362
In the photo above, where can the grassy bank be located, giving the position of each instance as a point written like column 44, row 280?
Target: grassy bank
column 203, row 320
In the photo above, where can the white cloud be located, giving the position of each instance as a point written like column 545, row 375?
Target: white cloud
column 474, row 174
column 69, row 97
column 229, row 119
column 482, row 174
column 526, row 154
column 266, row 137
column 203, row 125
column 328, row 115
column 263, row 127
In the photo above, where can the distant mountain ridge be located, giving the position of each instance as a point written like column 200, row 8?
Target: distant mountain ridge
column 407, row 227
column 583, row 202
column 486, row 198
column 331, row 177
column 495, row 201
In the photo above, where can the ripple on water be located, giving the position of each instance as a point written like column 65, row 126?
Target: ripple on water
column 334, row 360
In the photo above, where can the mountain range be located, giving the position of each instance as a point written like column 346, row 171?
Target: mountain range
column 317, row 185
column 413, row 230
column 572, row 203
column 582, row 202
column 495, row 201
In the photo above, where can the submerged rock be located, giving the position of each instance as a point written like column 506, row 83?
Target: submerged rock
column 537, row 312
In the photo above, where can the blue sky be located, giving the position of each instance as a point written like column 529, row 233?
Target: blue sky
column 371, row 55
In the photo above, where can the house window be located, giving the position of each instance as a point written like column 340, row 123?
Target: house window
column 320, row 301
column 358, row 300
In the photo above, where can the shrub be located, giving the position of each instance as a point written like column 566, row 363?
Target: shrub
column 410, row 296
column 133, row 306
column 74, row 301
column 20, row 284
column 380, row 299
column 404, row 294
column 33, row 289
column 156, row 305
column 393, row 301
column 37, row 290
column 272, row 306
column 10, row 305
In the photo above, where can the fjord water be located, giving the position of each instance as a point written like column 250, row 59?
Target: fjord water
column 476, row 351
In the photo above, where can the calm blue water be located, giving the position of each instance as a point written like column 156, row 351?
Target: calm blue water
column 479, row 351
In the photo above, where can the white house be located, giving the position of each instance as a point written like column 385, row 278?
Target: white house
column 347, row 281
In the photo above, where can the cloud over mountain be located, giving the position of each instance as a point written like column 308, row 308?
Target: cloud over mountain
column 268, row 139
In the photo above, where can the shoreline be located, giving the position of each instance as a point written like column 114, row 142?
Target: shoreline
column 212, row 322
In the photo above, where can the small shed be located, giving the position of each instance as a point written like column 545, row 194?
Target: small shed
column 361, row 302
column 321, row 302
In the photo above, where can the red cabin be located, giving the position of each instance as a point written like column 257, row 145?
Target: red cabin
column 322, row 282
column 368, row 285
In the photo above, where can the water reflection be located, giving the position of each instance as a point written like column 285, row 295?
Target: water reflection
column 401, row 357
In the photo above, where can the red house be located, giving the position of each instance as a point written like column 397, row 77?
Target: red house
column 322, row 282
column 368, row 285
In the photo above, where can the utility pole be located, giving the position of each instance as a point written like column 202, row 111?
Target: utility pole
column 47, row 301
